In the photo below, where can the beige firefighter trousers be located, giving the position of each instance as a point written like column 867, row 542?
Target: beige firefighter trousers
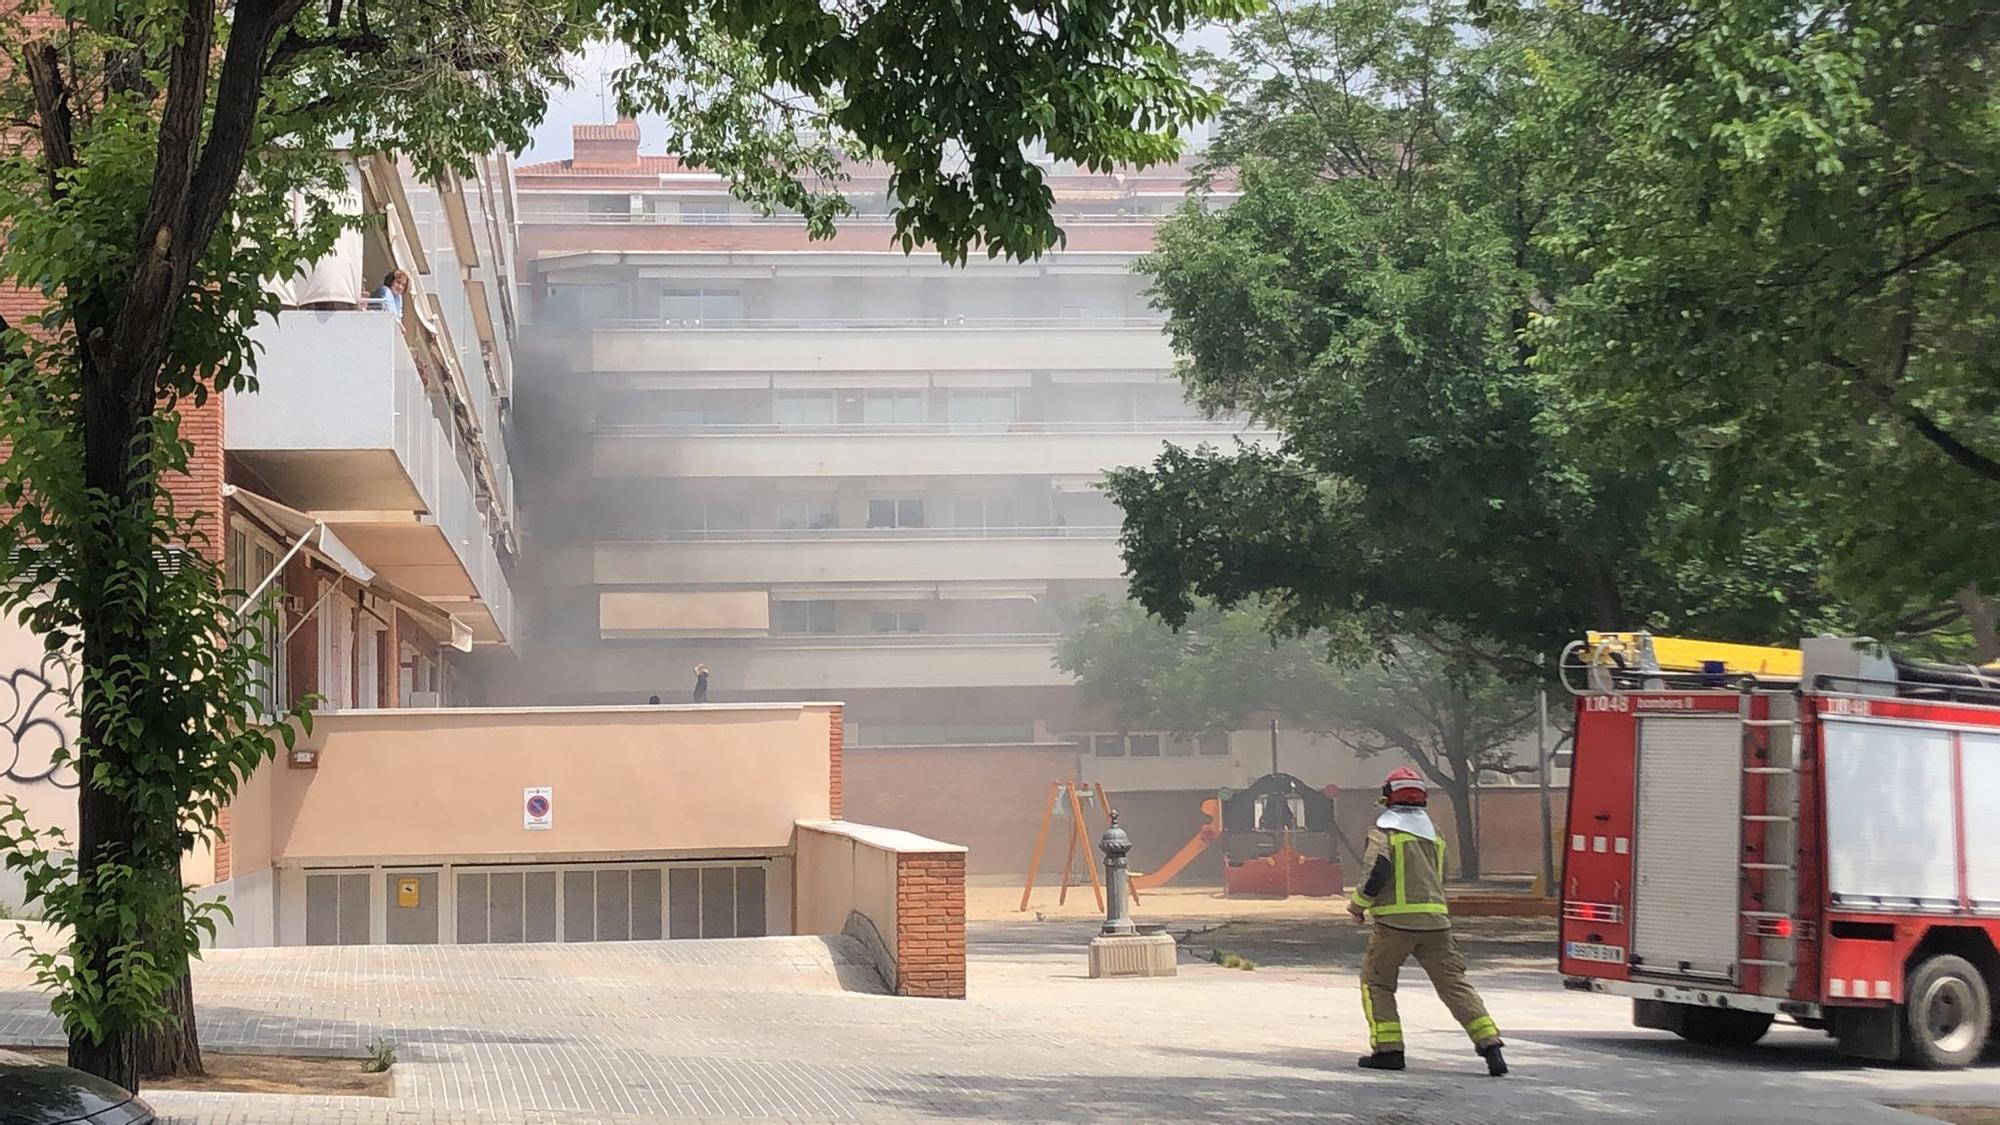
column 1388, row 948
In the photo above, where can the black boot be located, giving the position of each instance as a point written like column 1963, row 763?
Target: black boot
column 1496, row 1064
column 1382, row 1060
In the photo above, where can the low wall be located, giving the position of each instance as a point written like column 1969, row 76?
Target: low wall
column 625, row 782
column 901, row 894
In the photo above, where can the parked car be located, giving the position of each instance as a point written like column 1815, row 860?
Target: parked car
column 33, row 1092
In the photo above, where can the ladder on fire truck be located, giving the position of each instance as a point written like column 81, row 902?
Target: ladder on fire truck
column 1768, row 842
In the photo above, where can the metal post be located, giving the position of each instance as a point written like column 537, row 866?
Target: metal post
column 1548, row 816
column 1117, row 918
column 1274, row 746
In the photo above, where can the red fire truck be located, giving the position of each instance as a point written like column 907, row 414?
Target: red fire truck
column 1811, row 833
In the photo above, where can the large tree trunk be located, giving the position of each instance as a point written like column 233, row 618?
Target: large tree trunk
column 1468, row 829
column 116, row 457
column 1985, row 628
column 173, row 1049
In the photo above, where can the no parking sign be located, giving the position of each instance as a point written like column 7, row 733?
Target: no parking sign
column 538, row 808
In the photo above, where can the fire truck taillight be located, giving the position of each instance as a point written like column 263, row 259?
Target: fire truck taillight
column 1593, row 912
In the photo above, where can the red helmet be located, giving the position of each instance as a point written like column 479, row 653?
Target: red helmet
column 1405, row 786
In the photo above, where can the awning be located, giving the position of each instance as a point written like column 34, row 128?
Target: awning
column 302, row 530
column 443, row 626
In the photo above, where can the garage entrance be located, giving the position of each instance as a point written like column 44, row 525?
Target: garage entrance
column 508, row 904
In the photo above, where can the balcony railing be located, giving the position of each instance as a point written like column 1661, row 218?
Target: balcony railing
column 907, row 640
column 733, row 219
column 820, row 324
column 859, row 534
column 862, row 429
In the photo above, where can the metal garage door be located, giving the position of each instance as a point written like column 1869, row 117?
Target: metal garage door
column 626, row 902
column 1686, row 847
column 337, row 908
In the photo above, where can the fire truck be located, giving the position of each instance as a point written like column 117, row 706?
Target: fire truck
column 1811, row 833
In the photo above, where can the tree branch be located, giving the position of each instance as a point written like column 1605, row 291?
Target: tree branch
column 56, row 124
column 238, row 91
column 293, row 46
column 1926, row 254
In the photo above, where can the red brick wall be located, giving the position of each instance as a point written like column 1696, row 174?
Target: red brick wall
column 930, row 925
column 836, row 738
column 198, row 492
column 989, row 799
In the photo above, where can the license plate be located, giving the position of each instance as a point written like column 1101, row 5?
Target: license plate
column 1605, row 954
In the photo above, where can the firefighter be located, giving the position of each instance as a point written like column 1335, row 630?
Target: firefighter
column 1403, row 894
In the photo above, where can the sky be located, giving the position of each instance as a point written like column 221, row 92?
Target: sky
column 590, row 102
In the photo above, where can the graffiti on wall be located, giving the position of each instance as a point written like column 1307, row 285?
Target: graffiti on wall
column 39, row 724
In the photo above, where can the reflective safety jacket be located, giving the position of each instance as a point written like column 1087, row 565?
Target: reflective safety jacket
column 1404, row 887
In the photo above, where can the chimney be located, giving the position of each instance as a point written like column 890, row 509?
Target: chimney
column 605, row 146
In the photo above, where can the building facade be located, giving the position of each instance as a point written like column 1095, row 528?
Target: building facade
column 830, row 467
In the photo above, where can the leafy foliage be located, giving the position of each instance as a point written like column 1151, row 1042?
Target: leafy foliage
column 173, row 155
column 946, row 93
column 1792, row 252
column 1367, row 297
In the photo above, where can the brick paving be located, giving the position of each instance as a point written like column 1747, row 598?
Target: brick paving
column 796, row 1029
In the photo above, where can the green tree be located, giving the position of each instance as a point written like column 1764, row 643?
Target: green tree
column 1790, row 244
column 1367, row 296
column 149, row 192
column 1453, row 718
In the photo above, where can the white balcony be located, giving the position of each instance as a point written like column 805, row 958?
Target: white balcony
column 1018, row 449
column 860, row 555
column 961, row 346
column 343, row 427
column 830, row 667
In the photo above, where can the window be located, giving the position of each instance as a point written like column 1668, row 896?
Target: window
column 368, row 664
column 806, row 515
column 897, row 621
column 896, row 513
column 1214, row 744
column 805, row 617
column 984, row 513
column 696, row 305
column 706, row 212
column 247, row 561
column 1139, row 746
column 980, row 408
column 336, row 649
column 722, row 515
column 805, row 408
column 943, row 734
column 897, row 408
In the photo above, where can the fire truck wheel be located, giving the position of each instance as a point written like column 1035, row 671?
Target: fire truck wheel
column 1947, row 1013
column 1724, row 1027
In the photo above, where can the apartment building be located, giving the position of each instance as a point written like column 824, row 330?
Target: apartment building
column 368, row 484
column 829, row 468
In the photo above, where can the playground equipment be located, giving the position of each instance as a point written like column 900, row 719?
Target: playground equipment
column 1068, row 799
column 1278, row 839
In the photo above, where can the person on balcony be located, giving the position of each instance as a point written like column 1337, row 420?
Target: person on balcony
column 701, row 683
column 390, row 296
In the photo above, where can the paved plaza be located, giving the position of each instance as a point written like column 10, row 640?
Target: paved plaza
column 794, row 1029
